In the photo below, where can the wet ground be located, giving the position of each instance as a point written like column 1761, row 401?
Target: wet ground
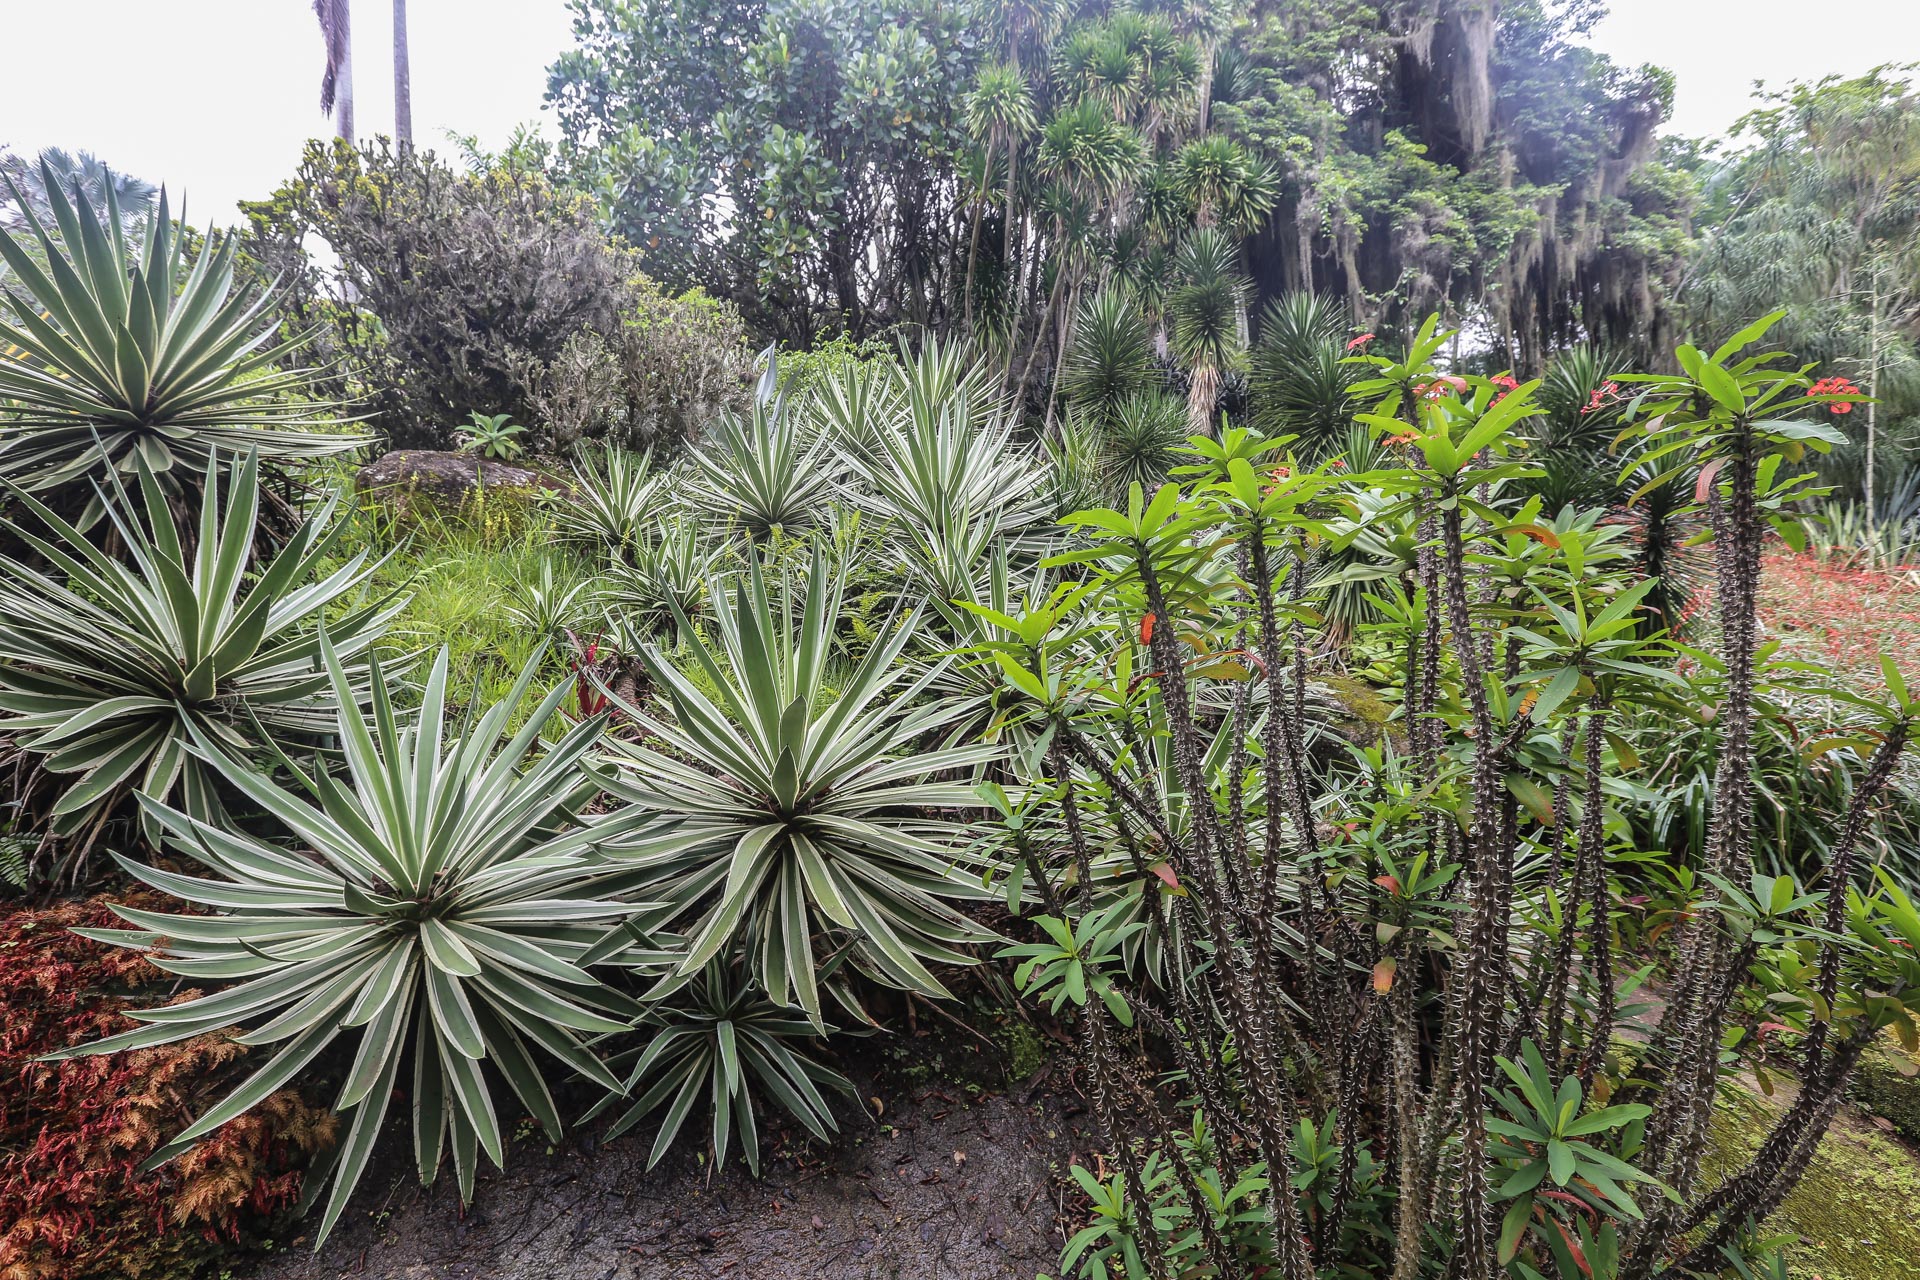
column 949, row 1181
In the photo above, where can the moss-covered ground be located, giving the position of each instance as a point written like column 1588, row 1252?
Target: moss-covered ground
column 1857, row 1212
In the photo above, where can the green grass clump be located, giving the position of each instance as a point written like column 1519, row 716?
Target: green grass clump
column 469, row 585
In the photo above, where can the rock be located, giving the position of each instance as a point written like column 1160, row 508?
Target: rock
column 447, row 480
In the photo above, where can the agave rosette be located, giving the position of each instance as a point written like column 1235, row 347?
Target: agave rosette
column 799, row 827
column 439, row 904
column 112, row 364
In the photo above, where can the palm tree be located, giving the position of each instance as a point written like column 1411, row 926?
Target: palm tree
column 23, row 186
column 336, row 82
column 402, row 78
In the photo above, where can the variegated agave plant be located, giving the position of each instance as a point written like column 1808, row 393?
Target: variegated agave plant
column 121, row 356
column 435, row 905
column 109, row 667
column 816, row 831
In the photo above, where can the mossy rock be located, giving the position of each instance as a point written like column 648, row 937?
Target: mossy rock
column 1366, row 711
column 1888, row 1085
column 426, row 487
column 1857, row 1210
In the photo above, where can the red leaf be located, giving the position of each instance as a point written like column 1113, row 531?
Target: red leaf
column 1165, row 872
column 1383, row 975
column 1146, row 629
column 1573, row 1247
column 1707, row 473
column 1390, row 883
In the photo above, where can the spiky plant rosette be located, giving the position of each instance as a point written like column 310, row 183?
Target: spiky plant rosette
column 764, row 470
column 719, row 1039
column 814, row 833
column 121, row 355
column 435, row 904
column 108, row 667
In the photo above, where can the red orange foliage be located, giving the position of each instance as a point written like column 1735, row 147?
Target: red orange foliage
column 72, row 1134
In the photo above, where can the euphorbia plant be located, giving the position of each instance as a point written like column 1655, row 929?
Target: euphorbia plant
column 1368, row 940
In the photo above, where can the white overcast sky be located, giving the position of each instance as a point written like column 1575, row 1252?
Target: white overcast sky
column 214, row 97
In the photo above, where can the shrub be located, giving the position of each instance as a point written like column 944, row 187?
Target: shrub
column 488, row 292
column 74, row 1202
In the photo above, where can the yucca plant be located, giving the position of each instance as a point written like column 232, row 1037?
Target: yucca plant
column 720, row 1039
column 796, row 826
column 1207, row 310
column 762, row 469
column 1143, row 440
column 1301, row 382
column 120, row 356
column 615, row 503
column 110, row 667
column 1110, row 354
column 433, row 905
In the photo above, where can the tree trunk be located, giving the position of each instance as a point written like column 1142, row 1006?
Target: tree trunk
column 402, row 79
column 343, row 93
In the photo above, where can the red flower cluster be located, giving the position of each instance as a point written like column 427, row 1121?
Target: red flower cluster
column 1835, row 387
column 1360, row 341
column 1508, row 384
column 1604, row 395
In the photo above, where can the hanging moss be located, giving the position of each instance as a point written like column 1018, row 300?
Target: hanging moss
column 1855, row 1209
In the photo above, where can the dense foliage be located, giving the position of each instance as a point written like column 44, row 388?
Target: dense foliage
column 1819, row 211
column 962, row 166
column 490, row 292
column 1355, row 733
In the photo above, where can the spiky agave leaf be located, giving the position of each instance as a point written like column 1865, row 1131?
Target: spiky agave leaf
column 108, row 668
column 795, row 830
column 439, row 901
column 123, row 356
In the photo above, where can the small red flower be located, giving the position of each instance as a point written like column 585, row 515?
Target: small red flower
column 1835, row 386
column 1360, row 341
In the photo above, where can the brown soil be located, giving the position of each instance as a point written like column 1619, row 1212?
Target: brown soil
column 944, row 1185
